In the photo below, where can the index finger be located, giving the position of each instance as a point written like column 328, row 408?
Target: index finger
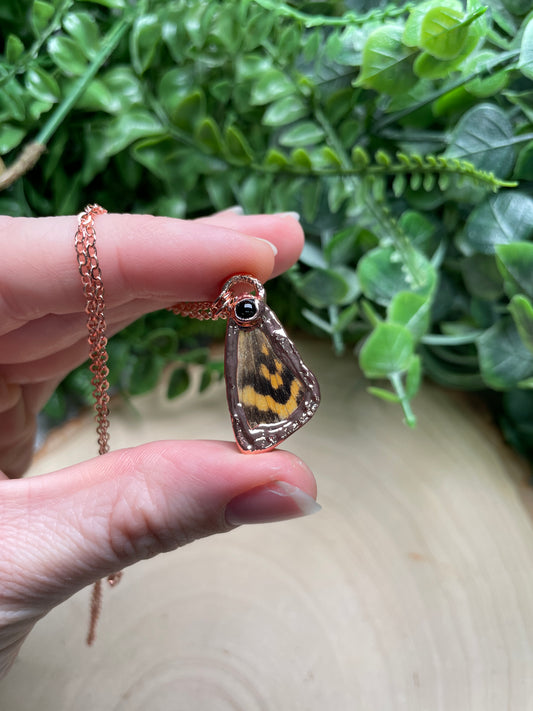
column 157, row 259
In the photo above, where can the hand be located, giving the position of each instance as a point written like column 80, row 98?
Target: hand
column 65, row 530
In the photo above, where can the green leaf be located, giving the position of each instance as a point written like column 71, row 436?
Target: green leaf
column 521, row 310
column 82, row 28
column 515, row 263
column 284, row 111
column 145, row 374
column 300, row 159
column 311, row 192
column 42, row 85
column 482, row 277
column 188, row 111
column 67, row 55
column 125, row 87
column 10, row 137
column 56, row 407
column 525, row 62
column 116, row 4
column 79, row 384
column 341, row 248
column 238, row 146
column 37, row 108
column 276, row 159
column 331, row 160
column 13, row 100
column 162, row 341
column 14, row 49
column 98, row 97
column 419, row 228
column 41, row 14
column 386, row 63
column 124, row 129
column 250, row 66
column 483, row 136
column 322, row 287
column 198, row 21
column 444, row 31
column 502, row 219
column 417, row 13
column 360, row 158
column 485, row 86
column 257, row 29
column 412, row 311
column 120, row 358
column 388, row 350
column 381, row 277
column 271, row 85
column 144, row 40
column 429, row 67
column 304, row 133
column 208, row 135
column 503, row 358
column 226, row 31
column 179, row 382
column 524, row 163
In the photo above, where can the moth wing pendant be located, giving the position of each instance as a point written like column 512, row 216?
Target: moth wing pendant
column 271, row 392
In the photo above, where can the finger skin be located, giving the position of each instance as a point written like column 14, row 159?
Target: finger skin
column 65, row 530
column 158, row 259
column 147, row 263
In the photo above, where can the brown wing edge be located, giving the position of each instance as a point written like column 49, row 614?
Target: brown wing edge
column 265, row 437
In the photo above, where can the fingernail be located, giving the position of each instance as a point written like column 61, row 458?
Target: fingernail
column 237, row 209
column 272, row 246
column 275, row 501
column 294, row 215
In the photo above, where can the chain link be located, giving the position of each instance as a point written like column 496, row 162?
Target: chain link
column 93, row 289
column 201, row 310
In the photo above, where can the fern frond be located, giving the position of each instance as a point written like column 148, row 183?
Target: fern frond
column 349, row 18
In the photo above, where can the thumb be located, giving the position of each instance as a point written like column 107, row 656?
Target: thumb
column 62, row 531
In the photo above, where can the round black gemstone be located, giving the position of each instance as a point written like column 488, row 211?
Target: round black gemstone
column 246, row 310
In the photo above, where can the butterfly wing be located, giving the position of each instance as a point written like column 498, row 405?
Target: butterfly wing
column 271, row 392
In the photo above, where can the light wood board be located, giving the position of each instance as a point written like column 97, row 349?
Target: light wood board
column 411, row 590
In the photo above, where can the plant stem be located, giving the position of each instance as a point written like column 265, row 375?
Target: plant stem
column 504, row 58
column 437, row 339
column 349, row 18
column 34, row 50
column 396, row 382
column 109, row 43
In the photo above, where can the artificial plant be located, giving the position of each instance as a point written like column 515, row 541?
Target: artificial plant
column 402, row 133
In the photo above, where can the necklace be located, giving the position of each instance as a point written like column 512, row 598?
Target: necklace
column 271, row 393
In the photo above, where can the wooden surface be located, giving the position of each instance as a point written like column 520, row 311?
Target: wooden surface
column 411, row 589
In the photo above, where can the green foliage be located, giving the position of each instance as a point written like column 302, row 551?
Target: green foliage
column 402, row 135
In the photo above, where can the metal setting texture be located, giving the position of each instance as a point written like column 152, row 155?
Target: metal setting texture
column 254, row 437
column 271, row 392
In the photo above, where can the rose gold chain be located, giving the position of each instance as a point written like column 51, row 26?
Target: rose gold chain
column 201, row 310
column 93, row 289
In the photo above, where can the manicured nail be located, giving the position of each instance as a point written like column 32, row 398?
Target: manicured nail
column 294, row 215
column 237, row 209
column 275, row 501
column 272, row 246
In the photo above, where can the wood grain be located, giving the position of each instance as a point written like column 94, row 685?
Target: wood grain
column 411, row 590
